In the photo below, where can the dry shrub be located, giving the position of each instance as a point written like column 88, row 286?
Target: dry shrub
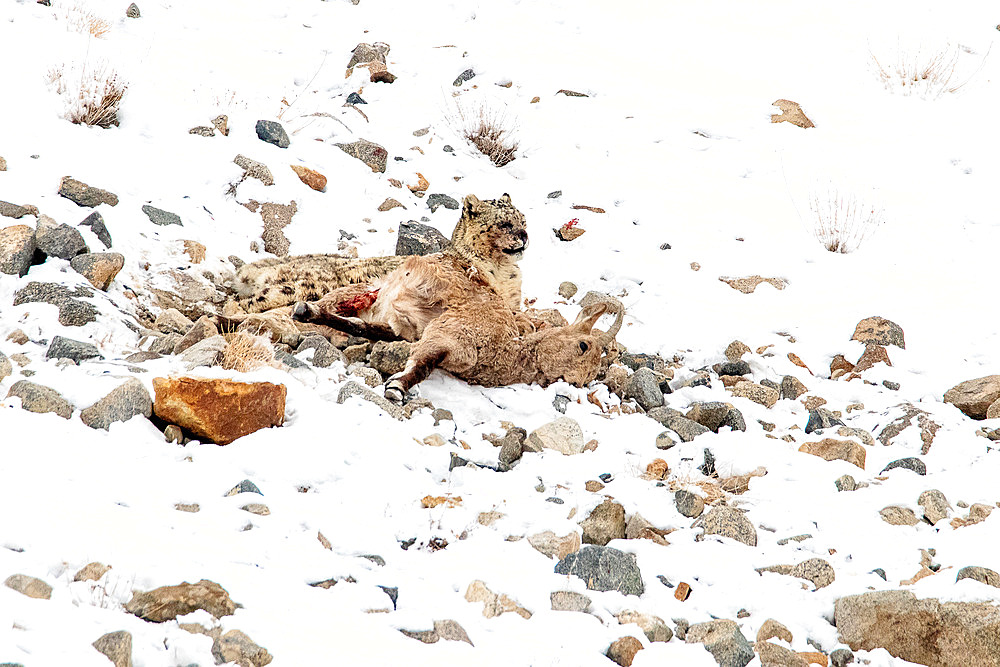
column 842, row 221
column 926, row 74
column 490, row 130
column 84, row 21
column 92, row 96
column 245, row 352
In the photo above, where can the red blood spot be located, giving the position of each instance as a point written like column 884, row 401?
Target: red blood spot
column 572, row 223
column 355, row 304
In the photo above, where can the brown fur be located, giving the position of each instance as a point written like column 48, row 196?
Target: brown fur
column 490, row 237
column 462, row 325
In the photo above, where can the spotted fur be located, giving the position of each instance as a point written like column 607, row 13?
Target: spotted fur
column 490, row 237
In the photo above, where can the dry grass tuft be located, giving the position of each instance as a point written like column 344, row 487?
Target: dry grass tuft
column 245, row 352
column 490, row 130
column 843, row 222
column 84, row 21
column 928, row 75
column 93, row 98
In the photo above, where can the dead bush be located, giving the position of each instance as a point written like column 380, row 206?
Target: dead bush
column 83, row 20
column 926, row 73
column 841, row 221
column 92, row 95
column 490, row 130
column 245, row 352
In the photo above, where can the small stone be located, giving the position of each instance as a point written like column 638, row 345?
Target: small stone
column 40, row 399
column 246, row 486
column 723, row 639
column 370, row 153
column 879, row 331
column 873, row 354
column 562, row 435
column 909, row 463
column 168, row 602
column 730, row 522
column 685, row 428
column 622, row 651
column 418, row 239
column 689, row 504
column 830, row 449
column 845, row 483
column 899, row 516
column 91, row 572
column 644, row 387
column 272, row 132
column 493, row 604
column 67, row 348
column 821, row 418
column 841, row 657
column 569, row 601
column 792, row 113
column 665, row 441
column 58, row 240
column 792, row 387
column 605, row 523
column 983, row 575
column 117, row 646
column 99, row 268
column 96, row 223
column 603, row 569
column 158, row 216
column 736, row 350
column 463, row 77
column 567, row 289
column 260, row 509
column 554, row 546
column 765, row 396
column 389, row 358
column 354, row 98
column 124, row 402
column 30, row 586
column 770, row 629
column 17, row 248
column 192, row 508
column 936, row 506
column 654, row 627
column 310, row 177
column 133, row 11
column 237, row 648
column 390, row 204
column 738, row 367
column 82, row 194
column 201, row 330
column 816, row 570
column 173, row 433
column 254, row 169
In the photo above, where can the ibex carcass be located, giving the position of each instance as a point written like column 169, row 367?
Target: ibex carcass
column 463, row 326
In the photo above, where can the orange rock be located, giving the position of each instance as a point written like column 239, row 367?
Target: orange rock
column 830, row 449
column 195, row 251
column 839, row 363
column 622, row 651
column 814, row 658
column 683, row 591
column 657, row 469
column 310, row 177
column 792, row 113
column 217, row 409
column 448, row 501
column 421, row 185
column 794, row 358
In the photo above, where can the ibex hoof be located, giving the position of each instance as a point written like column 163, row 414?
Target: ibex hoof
column 301, row 311
column 394, row 394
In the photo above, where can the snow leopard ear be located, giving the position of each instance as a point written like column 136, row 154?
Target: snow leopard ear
column 505, row 198
column 472, row 204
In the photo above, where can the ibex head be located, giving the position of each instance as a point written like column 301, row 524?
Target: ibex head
column 573, row 353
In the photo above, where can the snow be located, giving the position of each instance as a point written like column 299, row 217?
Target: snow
column 674, row 142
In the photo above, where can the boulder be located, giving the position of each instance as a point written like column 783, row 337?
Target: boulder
column 124, row 402
column 168, row 602
column 563, row 435
column 58, row 240
column 724, row 640
column 730, row 522
column 830, row 449
column 17, row 247
column 605, row 523
column 40, row 399
column 217, row 409
column 879, row 331
column 99, row 268
column 604, row 569
column 82, row 194
column 974, row 397
column 415, row 238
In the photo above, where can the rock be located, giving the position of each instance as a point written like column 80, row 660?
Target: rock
column 158, row 216
column 355, row 389
column 928, row 427
column 448, row 630
column 168, row 602
column 9, row 210
column 121, row 404
column 368, row 152
column 207, row 352
column 873, row 354
column 554, row 546
column 729, row 522
column 437, row 200
column 82, row 194
column 689, row 504
column 644, row 387
column 654, row 627
column 96, row 223
column 605, row 523
column 310, row 177
column 983, row 575
column 924, row 631
column 773, row 655
column 896, row 515
column 354, row 98
column 390, row 204
column 17, row 247
column 841, row 657
column 272, row 132
column 117, row 646
column 99, row 268
column 734, row 420
column 66, row 348
column 463, row 77
column 974, row 397
column 236, row 647
column 622, row 651
column 604, row 569
column 909, row 463
column 770, row 629
column 685, row 428
column 736, row 350
column 879, row 331
column 791, row 387
column 493, row 604
column 201, row 330
column 723, row 639
column 845, row 483
column 71, row 311
column 765, row 396
column 57, row 240
column 254, row 169
column 217, row 409
column 40, row 399
column 563, row 435
column 936, row 506
column 830, row 449
column 792, row 113
column 363, row 54
column 734, row 368
column 749, row 283
column 569, row 601
column 325, row 353
column 389, row 358
column 133, row 11
column 30, row 586
column 816, row 570
column 91, row 572
column 6, row 368
column 418, row 239
column 246, row 486
column 709, row 414
column 821, row 418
